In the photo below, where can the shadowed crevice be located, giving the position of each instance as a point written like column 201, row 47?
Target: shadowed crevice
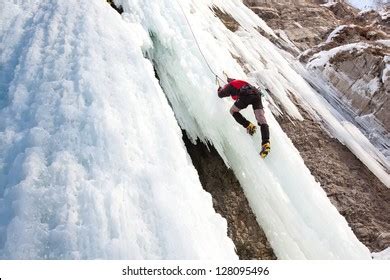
column 230, row 202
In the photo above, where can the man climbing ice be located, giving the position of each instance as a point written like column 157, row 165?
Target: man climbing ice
column 246, row 94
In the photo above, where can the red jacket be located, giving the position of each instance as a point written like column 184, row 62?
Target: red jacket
column 232, row 89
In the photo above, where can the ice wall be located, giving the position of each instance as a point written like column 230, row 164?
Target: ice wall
column 92, row 164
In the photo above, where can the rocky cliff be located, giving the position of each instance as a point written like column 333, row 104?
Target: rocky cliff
column 350, row 48
column 306, row 23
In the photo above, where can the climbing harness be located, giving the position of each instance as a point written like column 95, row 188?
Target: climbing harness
column 217, row 78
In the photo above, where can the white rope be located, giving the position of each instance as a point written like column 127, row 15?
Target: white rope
column 197, row 43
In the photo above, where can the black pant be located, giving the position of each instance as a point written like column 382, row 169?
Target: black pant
column 251, row 99
column 255, row 101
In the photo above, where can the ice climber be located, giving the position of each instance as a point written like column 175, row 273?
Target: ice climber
column 246, row 94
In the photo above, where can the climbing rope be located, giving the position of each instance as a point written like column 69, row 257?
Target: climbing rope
column 199, row 48
column 217, row 78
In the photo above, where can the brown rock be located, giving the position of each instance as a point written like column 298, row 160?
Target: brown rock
column 305, row 22
column 343, row 11
column 383, row 239
column 227, row 19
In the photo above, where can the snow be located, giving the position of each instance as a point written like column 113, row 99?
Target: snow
column 92, row 162
column 329, row 4
column 298, row 24
column 386, row 72
column 365, row 12
column 385, row 14
column 322, row 58
column 384, row 255
column 384, row 42
column 373, row 86
column 335, row 32
column 84, row 144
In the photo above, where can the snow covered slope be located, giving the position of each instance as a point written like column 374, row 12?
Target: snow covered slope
column 92, row 164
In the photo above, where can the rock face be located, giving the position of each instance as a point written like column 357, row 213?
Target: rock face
column 306, row 23
column 358, row 65
column 361, row 78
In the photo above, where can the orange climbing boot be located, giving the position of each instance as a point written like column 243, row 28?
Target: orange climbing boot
column 265, row 149
column 251, row 129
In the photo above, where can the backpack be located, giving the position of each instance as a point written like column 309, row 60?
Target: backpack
column 248, row 89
